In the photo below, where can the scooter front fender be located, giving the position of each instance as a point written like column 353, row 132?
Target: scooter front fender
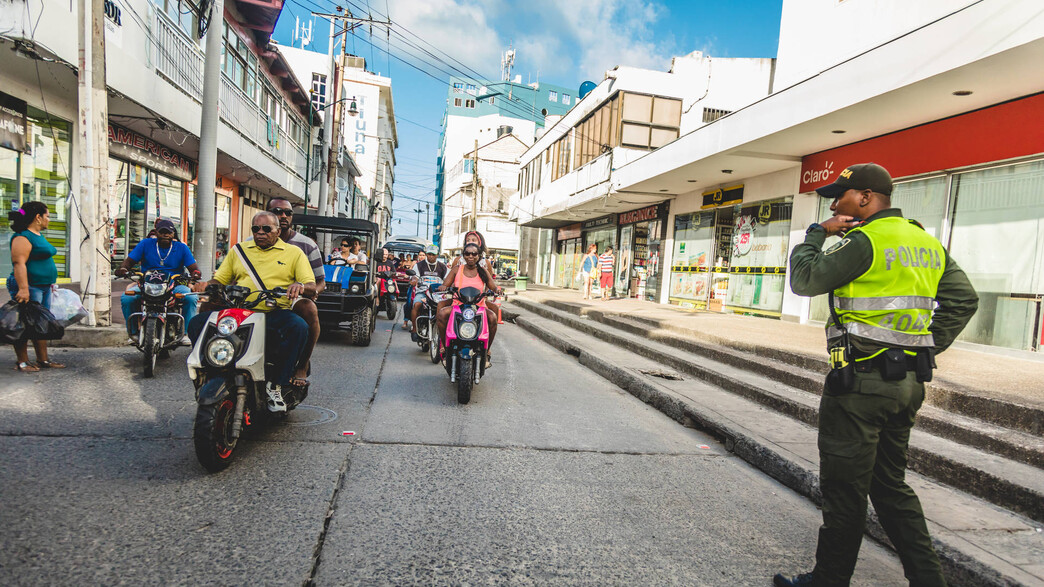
column 213, row 391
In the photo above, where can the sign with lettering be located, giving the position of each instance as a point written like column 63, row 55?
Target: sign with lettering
column 146, row 152
column 14, row 130
column 640, row 215
column 722, row 197
column 571, row 231
column 599, row 222
column 113, row 23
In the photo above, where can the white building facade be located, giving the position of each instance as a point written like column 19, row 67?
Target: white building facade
column 154, row 74
column 948, row 98
column 568, row 178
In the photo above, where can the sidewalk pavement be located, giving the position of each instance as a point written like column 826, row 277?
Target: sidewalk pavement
column 989, row 375
column 80, row 336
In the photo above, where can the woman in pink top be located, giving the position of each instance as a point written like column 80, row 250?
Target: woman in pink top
column 470, row 274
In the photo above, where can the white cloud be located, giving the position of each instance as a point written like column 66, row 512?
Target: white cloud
column 458, row 28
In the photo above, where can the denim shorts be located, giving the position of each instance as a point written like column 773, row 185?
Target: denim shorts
column 41, row 295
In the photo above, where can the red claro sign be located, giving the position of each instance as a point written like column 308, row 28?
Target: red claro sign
column 991, row 134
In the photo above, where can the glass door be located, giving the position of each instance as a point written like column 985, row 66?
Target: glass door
column 719, row 286
column 624, row 260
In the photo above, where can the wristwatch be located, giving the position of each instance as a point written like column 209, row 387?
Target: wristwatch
column 813, row 226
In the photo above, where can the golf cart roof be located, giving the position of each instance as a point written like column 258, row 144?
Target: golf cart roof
column 334, row 224
column 403, row 247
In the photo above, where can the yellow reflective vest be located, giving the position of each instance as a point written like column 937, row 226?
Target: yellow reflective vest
column 892, row 303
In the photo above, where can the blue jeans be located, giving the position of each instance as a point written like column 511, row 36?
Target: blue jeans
column 286, row 334
column 131, row 304
column 40, row 295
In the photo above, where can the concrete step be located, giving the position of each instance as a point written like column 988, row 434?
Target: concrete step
column 1012, row 484
column 943, row 394
column 978, row 542
column 798, row 371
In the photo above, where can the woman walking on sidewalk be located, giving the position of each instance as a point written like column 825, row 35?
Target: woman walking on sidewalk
column 605, row 264
column 587, row 270
column 33, row 274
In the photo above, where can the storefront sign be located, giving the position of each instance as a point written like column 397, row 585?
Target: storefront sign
column 641, row 214
column 991, row 134
column 571, row 231
column 13, row 123
column 600, row 222
column 723, row 197
column 113, row 24
column 130, row 145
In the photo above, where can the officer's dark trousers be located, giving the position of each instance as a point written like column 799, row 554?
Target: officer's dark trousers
column 863, row 439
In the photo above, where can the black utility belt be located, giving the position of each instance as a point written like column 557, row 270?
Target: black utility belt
column 894, row 364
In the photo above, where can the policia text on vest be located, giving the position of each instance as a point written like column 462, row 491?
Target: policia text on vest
column 896, row 300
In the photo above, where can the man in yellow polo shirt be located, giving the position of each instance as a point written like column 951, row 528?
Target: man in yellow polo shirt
column 276, row 264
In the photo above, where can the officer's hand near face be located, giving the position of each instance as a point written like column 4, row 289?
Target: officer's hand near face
column 839, row 224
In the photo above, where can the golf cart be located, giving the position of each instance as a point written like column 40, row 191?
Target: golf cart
column 350, row 300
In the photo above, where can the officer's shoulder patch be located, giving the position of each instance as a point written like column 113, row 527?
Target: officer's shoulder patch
column 837, row 246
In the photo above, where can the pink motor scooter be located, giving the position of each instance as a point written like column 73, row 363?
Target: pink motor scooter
column 467, row 340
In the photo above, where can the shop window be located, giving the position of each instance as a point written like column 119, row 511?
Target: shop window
column 41, row 175
column 998, row 240
column 760, row 246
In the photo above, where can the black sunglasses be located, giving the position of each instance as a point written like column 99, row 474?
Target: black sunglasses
column 164, row 231
column 345, row 245
column 266, row 228
column 471, row 254
column 282, row 211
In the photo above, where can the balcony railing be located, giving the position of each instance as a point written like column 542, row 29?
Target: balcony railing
column 177, row 58
column 181, row 63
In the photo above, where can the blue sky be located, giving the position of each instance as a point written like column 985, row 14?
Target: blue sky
column 559, row 42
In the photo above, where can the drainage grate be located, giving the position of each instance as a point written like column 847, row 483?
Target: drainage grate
column 662, row 374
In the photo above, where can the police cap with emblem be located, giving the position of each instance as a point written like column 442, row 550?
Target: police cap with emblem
column 864, row 176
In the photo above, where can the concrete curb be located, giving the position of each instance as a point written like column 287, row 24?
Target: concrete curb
column 960, row 569
column 86, row 337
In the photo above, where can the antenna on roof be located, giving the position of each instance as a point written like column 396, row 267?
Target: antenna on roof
column 507, row 61
column 302, row 34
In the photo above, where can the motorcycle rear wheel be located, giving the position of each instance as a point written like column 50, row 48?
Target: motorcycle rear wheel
column 212, row 435
column 465, row 380
column 433, row 347
column 149, row 344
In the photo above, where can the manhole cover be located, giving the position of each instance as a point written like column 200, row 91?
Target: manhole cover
column 661, row 374
column 306, row 415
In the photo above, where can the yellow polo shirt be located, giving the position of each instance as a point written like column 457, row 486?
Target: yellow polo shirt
column 278, row 266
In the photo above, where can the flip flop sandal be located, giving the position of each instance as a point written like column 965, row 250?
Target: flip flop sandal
column 50, row 365
column 26, row 367
column 299, row 383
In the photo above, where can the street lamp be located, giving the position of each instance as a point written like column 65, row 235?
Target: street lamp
column 353, row 111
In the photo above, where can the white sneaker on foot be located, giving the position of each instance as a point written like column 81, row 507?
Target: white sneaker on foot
column 132, row 341
column 275, row 398
column 186, row 341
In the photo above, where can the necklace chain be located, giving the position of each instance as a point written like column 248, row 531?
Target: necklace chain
column 162, row 257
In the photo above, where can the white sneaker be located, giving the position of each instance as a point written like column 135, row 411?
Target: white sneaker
column 275, row 398
column 186, row 341
column 132, row 341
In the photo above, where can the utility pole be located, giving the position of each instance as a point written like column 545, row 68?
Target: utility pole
column 334, row 122
column 332, row 86
column 474, row 188
column 418, row 211
column 204, row 227
column 427, row 219
column 94, row 163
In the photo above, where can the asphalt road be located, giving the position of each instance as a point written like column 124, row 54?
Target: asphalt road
column 551, row 475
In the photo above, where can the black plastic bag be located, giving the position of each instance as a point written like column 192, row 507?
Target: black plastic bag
column 40, row 323
column 12, row 329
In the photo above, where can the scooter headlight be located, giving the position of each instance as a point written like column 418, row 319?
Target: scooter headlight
column 220, row 352
column 468, row 330
column 227, row 325
column 468, row 313
column 155, row 289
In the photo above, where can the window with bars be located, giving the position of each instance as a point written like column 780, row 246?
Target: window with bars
column 552, row 96
column 458, row 88
column 712, row 114
column 458, row 102
column 469, row 103
column 318, row 90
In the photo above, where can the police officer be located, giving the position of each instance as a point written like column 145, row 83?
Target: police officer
column 897, row 299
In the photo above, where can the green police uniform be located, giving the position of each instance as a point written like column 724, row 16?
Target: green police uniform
column 887, row 276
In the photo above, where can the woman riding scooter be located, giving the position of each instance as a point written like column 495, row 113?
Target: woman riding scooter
column 469, row 274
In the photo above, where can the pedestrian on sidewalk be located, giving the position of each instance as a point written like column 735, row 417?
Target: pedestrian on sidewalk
column 32, row 276
column 605, row 264
column 884, row 277
column 587, row 269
